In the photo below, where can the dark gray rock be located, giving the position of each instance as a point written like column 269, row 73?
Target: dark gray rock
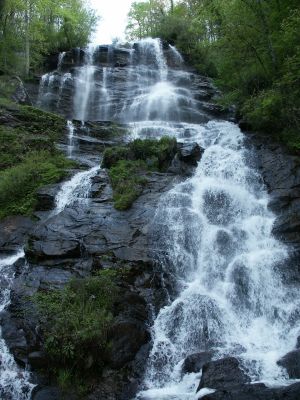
column 195, row 362
column 256, row 392
column 190, row 153
column 37, row 359
column 13, row 233
column 50, row 393
column 244, row 125
column 222, row 374
column 46, row 197
column 291, row 362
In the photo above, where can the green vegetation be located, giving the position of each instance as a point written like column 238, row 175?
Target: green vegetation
column 251, row 49
column 75, row 322
column 30, row 29
column 18, row 184
column 28, row 156
column 128, row 165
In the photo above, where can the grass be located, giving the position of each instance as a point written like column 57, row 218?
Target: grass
column 128, row 165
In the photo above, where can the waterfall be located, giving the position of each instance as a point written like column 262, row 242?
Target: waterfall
column 214, row 229
column 71, row 129
column 75, row 190
column 14, row 382
column 104, row 94
column 60, row 60
column 84, row 87
column 177, row 57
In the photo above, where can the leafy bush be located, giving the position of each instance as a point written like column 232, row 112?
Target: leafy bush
column 75, row 322
column 127, row 165
column 114, row 154
column 126, row 182
column 19, row 183
column 264, row 111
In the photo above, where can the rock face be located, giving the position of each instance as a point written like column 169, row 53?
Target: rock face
column 46, row 197
column 222, row 374
column 280, row 170
column 256, row 392
column 196, row 361
column 291, row 362
column 13, row 233
column 190, row 153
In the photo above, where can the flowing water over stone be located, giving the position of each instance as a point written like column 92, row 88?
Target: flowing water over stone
column 212, row 232
column 215, row 230
column 14, row 382
column 75, row 190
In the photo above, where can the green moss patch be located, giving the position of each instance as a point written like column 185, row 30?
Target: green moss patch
column 129, row 164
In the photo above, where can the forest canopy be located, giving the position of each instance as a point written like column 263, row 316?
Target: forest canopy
column 251, row 49
column 30, row 29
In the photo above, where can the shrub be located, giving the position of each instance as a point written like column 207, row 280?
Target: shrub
column 264, row 111
column 126, row 182
column 75, row 322
column 19, row 183
column 127, row 164
column 114, row 154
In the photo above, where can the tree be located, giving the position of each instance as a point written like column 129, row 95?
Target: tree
column 30, row 29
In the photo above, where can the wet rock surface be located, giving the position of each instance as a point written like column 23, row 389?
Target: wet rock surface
column 222, row 374
column 196, row 361
column 13, row 233
column 256, row 392
column 291, row 362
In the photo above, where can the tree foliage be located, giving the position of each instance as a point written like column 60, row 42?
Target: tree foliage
column 251, row 48
column 30, row 29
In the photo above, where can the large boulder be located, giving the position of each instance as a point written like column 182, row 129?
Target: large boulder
column 190, row 153
column 13, row 233
column 195, row 362
column 46, row 197
column 291, row 362
column 222, row 374
column 256, row 392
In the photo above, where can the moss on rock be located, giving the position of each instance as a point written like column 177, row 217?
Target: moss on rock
column 29, row 158
column 128, row 166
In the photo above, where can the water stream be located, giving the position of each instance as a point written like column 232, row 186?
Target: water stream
column 14, row 382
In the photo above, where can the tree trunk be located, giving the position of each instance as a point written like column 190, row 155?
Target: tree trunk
column 172, row 5
column 27, row 40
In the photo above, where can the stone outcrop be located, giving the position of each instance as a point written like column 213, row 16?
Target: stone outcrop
column 256, row 392
column 222, row 374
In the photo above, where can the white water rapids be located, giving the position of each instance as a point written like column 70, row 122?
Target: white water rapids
column 215, row 229
column 14, row 382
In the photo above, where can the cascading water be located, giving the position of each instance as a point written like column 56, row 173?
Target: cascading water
column 71, row 129
column 14, row 382
column 75, row 190
column 214, row 229
column 84, row 93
